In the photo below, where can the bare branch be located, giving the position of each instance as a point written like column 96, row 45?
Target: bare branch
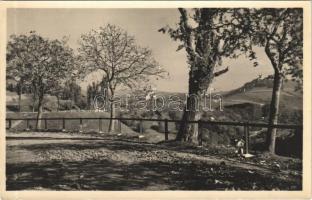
column 218, row 73
column 114, row 51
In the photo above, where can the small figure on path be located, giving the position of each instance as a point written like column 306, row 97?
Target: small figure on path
column 239, row 147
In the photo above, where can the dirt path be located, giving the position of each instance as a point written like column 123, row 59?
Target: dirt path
column 111, row 164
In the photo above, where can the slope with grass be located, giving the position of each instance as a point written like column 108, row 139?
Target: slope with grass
column 260, row 92
column 70, row 125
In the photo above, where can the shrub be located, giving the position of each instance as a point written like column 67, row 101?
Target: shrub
column 145, row 125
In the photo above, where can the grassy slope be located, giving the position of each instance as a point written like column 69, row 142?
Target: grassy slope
column 89, row 126
column 50, row 102
column 262, row 95
column 254, row 93
column 73, row 125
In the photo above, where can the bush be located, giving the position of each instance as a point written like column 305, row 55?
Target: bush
column 82, row 103
column 218, row 134
column 145, row 125
column 175, row 115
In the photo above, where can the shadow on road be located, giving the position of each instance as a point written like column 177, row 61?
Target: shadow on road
column 107, row 175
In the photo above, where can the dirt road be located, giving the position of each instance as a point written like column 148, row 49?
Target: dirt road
column 106, row 163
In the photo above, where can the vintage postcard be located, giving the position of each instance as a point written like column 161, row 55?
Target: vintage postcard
column 155, row 100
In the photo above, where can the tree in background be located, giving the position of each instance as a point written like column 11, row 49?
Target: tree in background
column 18, row 63
column 19, row 91
column 56, row 91
column 113, row 51
column 280, row 32
column 72, row 91
column 92, row 92
column 44, row 62
column 216, row 33
column 97, row 89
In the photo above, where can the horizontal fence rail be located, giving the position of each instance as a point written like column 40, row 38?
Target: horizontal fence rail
column 201, row 123
column 262, row 125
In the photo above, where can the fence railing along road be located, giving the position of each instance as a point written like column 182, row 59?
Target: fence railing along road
column 200, row 123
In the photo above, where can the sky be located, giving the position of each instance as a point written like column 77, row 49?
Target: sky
column 143, row 24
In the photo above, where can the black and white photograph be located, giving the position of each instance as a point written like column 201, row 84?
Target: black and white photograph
column 194, row 98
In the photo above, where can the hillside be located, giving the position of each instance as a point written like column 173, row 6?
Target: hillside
column 71, row 125
column 259, row 91
column 50, row 102
column 247, row 103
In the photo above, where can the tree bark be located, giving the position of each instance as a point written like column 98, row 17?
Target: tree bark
column 19, row 102
column 71, row 104
column 188, row 132
column 20, row 97
column 39, row 114
column 34, row 97
column 58, row 103
column 202, row 58
column 33, row 105
column 111, row 127
column 274, row 111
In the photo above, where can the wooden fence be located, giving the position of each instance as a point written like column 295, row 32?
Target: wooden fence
column 200, row 123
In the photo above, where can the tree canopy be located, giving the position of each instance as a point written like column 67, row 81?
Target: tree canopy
column 113, row 51
column 280, row 32
column 39, row 62
column 208, row 35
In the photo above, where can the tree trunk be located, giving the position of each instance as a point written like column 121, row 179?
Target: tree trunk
column 39, row 114
column 20, row 97
column 19, row 102
column 111, row 121
column 111, row 127
column 34, row 97
column 58, row 103
column 33, row 105
column 274, row 111
column 71, row 104
column 188, row 132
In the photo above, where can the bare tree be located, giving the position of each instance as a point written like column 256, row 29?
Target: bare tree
column 114, row 52
column 215, row 33
column 45, row 63
column 280, row 32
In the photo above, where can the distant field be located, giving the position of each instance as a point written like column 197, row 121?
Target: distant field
column 258, row 94
column 262, row 95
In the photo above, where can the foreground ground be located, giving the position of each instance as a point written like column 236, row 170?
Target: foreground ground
column 59, row 161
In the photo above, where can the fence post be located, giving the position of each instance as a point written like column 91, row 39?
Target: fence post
column 10, row 123
column 166, row 129
column 119, row 124
column 141, row 127
column 100, row 125
column 299, row 135
column 63, row 127
column 246, row 134
column 27, row 125
column 45, row 124
column 200, row 133
column 80, row 125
